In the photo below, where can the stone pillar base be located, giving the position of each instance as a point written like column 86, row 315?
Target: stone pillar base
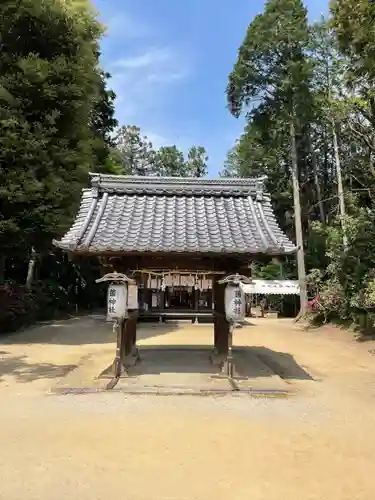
column 216, row 358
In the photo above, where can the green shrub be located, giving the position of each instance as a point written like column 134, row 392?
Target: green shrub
column 20, row 307
column 17, row 308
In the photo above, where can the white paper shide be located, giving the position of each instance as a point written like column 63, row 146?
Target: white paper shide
column 234, row 303
column 132, row 297
column 117, row 298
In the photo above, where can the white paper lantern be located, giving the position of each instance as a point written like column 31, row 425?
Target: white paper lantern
column 234, row 303
column 117, row 298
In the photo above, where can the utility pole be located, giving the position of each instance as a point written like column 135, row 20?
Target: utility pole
column 298, row 224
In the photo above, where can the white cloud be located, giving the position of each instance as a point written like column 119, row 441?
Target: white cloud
column 142, row 81
column 145, row 76
column 167, row 77
column 150, row 57
column 124, row 26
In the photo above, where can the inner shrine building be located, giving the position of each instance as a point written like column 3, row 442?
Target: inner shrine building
column 176, row 237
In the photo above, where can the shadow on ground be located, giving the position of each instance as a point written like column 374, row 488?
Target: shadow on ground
column 282, row 364
column 251, row 362
column 93, row 329
column 90, row 329
column 22, row 371
column 365, row 337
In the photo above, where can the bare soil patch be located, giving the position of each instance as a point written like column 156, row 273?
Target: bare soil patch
column 317, row 445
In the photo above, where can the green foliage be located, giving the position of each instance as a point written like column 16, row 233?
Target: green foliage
column 103, row 123
column 17, row 308
column 135, row 155
column 134, row 151
column 353, row 22
column 63, row 288
column 271, row 82
column 169, row 161
column 266, row 272
column 56, row 120
column 196, row 164
column 323, row 75
column 49, row 66
column 346, row 285
column 272, row 69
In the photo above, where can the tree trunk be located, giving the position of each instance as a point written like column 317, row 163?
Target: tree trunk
column 2, row 269
column 298, row 224
column 31, row 269
column 340, row 187
column 317, row 182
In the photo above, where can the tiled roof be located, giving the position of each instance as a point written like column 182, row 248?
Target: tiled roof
column 126, row 214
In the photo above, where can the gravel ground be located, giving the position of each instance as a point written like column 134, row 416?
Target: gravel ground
column 316, row 445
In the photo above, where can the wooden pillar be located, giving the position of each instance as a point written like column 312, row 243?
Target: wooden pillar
column 126, row 341
column 221, row 326
column 117, row 364
column 162, row 299
column 129, row 352
column 210, row 299
column 133, row 330
column 196, row 303
column 161, row 303
column 196, row 299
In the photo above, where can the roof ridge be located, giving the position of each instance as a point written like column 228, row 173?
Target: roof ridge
column 128, row 184
column 134, row 179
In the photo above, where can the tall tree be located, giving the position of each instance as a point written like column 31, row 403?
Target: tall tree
column 353, row 24
column 328, row 90
column 272, row 76
column 196, row 165
column 103, row 123
column 263, row 149
column 169, row 161
column 134, row 151
column 49, row 67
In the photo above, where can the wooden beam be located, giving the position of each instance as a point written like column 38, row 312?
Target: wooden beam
column 185, row 262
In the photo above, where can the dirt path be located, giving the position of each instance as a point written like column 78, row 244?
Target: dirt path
column 318, row 445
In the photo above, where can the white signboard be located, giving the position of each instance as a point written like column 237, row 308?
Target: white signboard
column 132, row 296
column 116, row 301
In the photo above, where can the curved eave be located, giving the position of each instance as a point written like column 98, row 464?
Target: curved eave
column 68, row 247
column 81, row 250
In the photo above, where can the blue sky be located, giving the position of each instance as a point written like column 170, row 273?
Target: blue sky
column 170, row 61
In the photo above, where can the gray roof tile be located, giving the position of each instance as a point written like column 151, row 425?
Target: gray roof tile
column 156, row 214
